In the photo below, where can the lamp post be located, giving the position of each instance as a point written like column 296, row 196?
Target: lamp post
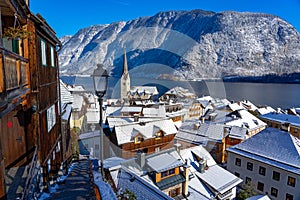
column 100, row 79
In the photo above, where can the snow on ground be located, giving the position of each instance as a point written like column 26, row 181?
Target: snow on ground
column 104, row 188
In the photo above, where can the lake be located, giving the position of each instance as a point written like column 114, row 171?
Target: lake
column 272, row 94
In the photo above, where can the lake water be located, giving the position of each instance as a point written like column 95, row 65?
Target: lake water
column 273, row 94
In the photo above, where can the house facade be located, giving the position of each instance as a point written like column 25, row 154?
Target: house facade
column 269, row 160
column 30, row 115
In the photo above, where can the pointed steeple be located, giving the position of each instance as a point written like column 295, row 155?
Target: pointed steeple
column 125, row 67
column 125, row 79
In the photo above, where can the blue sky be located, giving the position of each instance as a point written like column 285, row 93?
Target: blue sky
column 66, row 17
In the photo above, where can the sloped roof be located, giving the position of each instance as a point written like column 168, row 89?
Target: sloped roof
column 237, row 132
column 211, row 175
column 282, row 118
column 273, row 147
column 124, row 132
column 65, row 94
column 163, row 162
column 148, row 89
column 243, row 118
column 211, row 131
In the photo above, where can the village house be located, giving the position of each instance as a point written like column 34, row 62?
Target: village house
column 270, row 160
column 172, row 174
column 135, row 134
column 162, row 175
column 286, row 122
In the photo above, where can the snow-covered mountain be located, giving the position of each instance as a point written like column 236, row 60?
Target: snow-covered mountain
column 187, row 44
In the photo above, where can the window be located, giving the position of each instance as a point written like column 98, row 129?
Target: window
column 43, row 53
column 158, row 135
column 138, row 139
column 51, row 117
column 97, row 147
column 262, row 171
column 52, row 56
column 295, row 130
column 167, row 173
column 276, row 176
column 274, row 192
column 237, row 174
column 174, row 192
column 260, row 186
column 291, row 181
column 238, row 162
column 289, row 197
column 248, row 180
column 250, row 166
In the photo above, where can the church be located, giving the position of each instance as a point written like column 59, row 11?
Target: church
column 135, row 95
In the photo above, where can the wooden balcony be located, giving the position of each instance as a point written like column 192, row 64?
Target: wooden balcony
column 14, row 76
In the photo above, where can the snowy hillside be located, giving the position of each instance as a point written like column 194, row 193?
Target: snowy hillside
column 197, row 44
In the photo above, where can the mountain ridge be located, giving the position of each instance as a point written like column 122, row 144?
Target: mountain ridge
column 187, row 44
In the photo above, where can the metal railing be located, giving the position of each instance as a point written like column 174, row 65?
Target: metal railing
column 31, row 185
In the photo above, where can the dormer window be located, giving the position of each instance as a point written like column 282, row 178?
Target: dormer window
column 158, row 135
column 138, row 139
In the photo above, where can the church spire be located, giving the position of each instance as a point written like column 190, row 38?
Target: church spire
column 125, row 79
column 125, row 67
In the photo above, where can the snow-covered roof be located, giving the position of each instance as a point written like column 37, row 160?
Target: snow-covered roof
column 148, row 89
column 237, row 132
column 211, row 176
column 282, row 118
column 76, row 88
column 265, row 110
column 273, row 147
column 131, row 109
column 248, row 105
column 211, row 131
column 164, row 162
column 235, row 106
column 154, row 111
column 147, row 129
column 89, row 135
column 66, row 96
column 243, row 118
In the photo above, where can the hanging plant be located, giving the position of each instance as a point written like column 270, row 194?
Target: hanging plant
column 16, row 33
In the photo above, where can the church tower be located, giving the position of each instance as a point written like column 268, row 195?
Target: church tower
column 125, row 79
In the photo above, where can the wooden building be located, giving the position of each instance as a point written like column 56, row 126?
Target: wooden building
column 30, row 128
column 141, row 135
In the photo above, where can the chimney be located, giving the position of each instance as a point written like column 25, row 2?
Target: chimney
column 177, row 147
column 202, row 165
column 202, row 119
column 136, row 117
column 141, row 159
column 196, row 126
column 186, row 169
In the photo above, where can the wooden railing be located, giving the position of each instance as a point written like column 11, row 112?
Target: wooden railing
column 14, row 71
column 32, row 181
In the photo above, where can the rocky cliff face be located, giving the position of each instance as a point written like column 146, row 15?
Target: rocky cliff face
column 187, row 44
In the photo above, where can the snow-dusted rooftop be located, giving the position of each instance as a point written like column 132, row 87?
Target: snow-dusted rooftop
column 127, row 132
column 273, row 147
column 282, row 118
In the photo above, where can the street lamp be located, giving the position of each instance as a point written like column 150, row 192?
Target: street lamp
column 100, row 79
